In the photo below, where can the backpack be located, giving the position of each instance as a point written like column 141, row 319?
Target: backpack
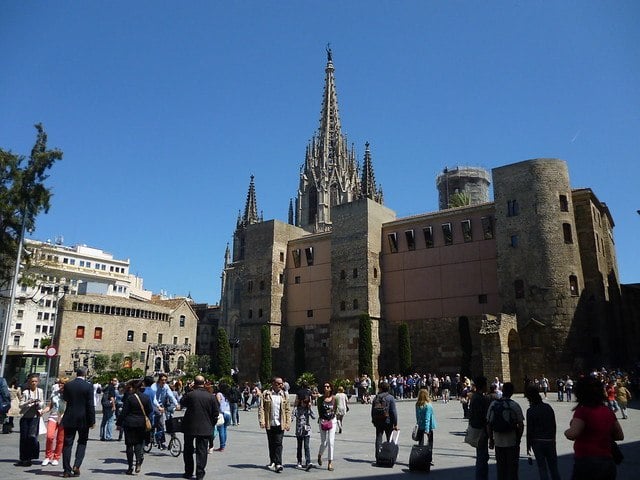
column 380, row 409
column 234, row 395
column 106, row 399
column 503, row 417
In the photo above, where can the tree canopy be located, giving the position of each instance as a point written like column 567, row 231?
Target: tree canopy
column 23, row 195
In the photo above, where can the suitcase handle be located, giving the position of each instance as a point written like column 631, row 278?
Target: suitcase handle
column 395, row 438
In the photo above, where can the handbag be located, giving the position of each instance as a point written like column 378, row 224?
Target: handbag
column 472, row 437
column 147, row 422
column 616, row 453
column 42, row 426
column 220, row 420
column 326, row 424
column 414, row 433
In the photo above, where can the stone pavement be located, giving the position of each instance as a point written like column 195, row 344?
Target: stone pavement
column 246, row 453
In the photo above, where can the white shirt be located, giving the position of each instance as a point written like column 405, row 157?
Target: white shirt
column 276, row 401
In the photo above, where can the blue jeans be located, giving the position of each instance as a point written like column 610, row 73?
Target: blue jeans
column 106, row 426
column 235, row 417
column 546, row 458
column 222, row 430
column 304, row 442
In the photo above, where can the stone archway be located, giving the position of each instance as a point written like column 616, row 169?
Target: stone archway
column 496, row 338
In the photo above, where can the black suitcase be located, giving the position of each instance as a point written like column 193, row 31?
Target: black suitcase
column 388, row 452
column 420, row 458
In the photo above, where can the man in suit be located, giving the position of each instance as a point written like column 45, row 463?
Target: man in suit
column 79, row 416
column 198, row 424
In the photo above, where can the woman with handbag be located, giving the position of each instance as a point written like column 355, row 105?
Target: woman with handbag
column 31, row 405
column 594, row 430
column 425, row 419
column 328, row 422
column 134, row 419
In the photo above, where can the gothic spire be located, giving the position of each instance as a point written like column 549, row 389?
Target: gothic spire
column 251, row 208
column 368, row 182
column 290, row 211
column 329, row 131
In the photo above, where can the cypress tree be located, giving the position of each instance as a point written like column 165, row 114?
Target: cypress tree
column 365, row 346
column 223, row 353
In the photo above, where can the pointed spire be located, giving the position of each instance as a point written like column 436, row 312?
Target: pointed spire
column 368, row 182
column 330, row 130
column 251, row 208
column 227, row 256
column 290, row 211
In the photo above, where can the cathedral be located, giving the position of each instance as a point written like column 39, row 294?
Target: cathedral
column 524, row 285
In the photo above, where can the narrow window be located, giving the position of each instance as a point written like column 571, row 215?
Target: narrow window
column 159, row 338
column 482, row 298
column 281, row 278
column 355, row 303
column 261, row 284
column 186, row 340
column 355, row 273
column 573, row 285
column 564, row 203
column 447, row 233
column 250, row 286
column 282, row 256
column 129, row 335
column 36, row 343
column 411, row 239
column 309, row 313
column 142, row 356
column 144, row 337
column 19, row 327
column 566, row 231
column 175, row 340
column 182, row 320
column 79, row 332
column 250, row 313
column 260, row 313
column 466, row 230
column 308, row 252
column 393, row 242
column 296, row 257
column 518, row 287
column 375, row 272
column 514, row 241
column 97, row 333
column 513, row 208
column 428, row 236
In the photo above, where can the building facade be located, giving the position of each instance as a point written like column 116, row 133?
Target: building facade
column 524, row 285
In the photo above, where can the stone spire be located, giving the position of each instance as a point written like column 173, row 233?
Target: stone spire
column 368, row 185
column 329, row 175
column 251, row 207
column 290, row 212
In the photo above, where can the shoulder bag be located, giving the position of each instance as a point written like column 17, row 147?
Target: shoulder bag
column 147, row 422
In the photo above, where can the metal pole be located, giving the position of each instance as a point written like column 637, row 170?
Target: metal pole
column 14, row 287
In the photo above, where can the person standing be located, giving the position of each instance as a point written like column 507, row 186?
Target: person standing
column 31, row 406
column 200, row 418
column 132, row 419
column 384, row 415
column 274, row 415
column 55, row 431
column 14, row 411
column 79, row 417
column 302, row 413
column 234, row 403
column 327, row 417
column 593, row 429
column 5, row 399
column 108, row 402
column 478, row 407
column 425, row 419
column 506, row 440
column 342, row 406
column 541, row 434
column 568, row 388
column 225, row 411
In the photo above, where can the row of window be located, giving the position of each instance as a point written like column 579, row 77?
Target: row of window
column 97, row 335
column 297, row 253
column 88, row 264
column 122, row 311
column 513, row 208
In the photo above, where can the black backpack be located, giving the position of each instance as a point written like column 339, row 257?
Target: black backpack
column 380, row 409
column 503, row 417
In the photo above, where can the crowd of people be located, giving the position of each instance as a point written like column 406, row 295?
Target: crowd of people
column 140, row 408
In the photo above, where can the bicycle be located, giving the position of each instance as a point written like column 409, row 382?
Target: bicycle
column 174, row 446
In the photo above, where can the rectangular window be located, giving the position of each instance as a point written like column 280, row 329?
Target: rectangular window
column 514, row 241
column 250, row 313
column 175, row 340
column 81, row 263
column 97, row 333
column 46, row 315
column 250, row 286
column 466, row 230
column 45, row 329
column 297, row 279
column 129, row 335
column 309, row 313
column 144, row 337
column 20, row 313
column 182, row 320
column 80, row 331
column 447, row 233
column 564, row 203
column 16, row 340
column 342, row 306
column 282, row 256
column 428, row 236
column 411, row 239
column 142, row 357
column 482, row 298
column 159, row 338
column 513, row 208
column 573, row 285
column 393, row 242
column 309, row 254
column 566, row 231
column 296, row 257
column 36, row 343
column 281, row 278
column 355, row 273
column 259, row 313
column 261, row 284
column 18, row 326
column 186, row 340
column 72, row 261
column 487, row 227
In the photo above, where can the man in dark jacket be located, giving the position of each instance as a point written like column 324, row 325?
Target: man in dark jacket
column 387, row 422
column 79, row 416
column 200, row 418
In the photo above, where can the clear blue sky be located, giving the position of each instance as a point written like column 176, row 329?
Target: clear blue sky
column 164, row 109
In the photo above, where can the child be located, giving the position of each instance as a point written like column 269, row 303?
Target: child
column 302, row 413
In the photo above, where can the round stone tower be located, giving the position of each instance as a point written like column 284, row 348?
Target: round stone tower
column 471, row 181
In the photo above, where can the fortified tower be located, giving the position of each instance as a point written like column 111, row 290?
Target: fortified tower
column 472, row 182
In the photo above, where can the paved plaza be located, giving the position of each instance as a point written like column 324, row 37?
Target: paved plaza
column 246, row 453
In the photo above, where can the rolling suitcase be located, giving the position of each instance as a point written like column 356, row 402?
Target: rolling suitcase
column 388, row 452
column 420, row 458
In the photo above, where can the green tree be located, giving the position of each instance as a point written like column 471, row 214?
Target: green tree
column 404, row 349
column 117, row 359
column 23, row 196
column 197, row 364
column 265, row 357
column 365, row 346
column 459, row 199
column 100, row 362
column 299, row 354
column 223, row 351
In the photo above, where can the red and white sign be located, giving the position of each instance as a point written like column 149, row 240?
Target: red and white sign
column 51, row 351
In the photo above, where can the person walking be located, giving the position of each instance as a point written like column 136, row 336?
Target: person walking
column 302, row 413
column 541, row 435
column 342, row 406
column 79, row 417
column 136, row 408
column 200, row 418
column 55, row 431
column 274, row 415
column 505, row 425
column 623, row 395
column 384, row 415
column 14, row 410
column 593, row 429
column 31, row 405
column 425, row 419
column 327, row 417
column 478, row 407
column 108, row 402
column 225, row 411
